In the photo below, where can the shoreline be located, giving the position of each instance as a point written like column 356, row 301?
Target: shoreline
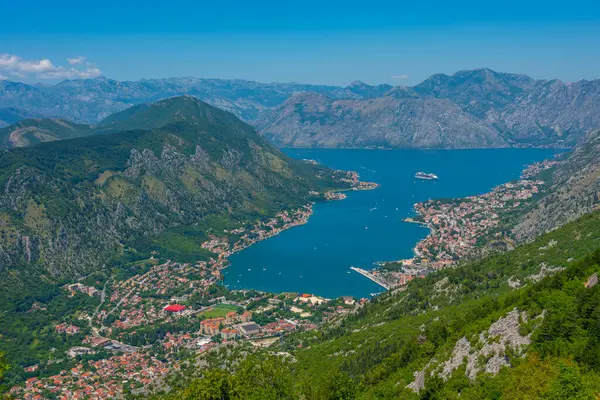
column 455, row 227
column 294, row 217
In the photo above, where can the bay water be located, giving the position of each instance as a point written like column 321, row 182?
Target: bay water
column 368, row 226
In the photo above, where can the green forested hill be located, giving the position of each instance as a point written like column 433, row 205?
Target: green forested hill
column 526, row 312
column 70, row 206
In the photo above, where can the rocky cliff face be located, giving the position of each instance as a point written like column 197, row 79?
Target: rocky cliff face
column 551, row 113
column 479, row 108
column 71, row 206
column 312, row 120
column 575, row 191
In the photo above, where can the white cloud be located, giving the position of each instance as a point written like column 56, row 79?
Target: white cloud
column 403, row 76
column 15, row 66
column 3, row 77
column 76, row 60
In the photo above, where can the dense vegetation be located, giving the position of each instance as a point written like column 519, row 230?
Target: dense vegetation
column 94, row 206
column 374, row 353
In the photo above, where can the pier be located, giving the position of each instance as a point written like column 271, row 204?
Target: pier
column 371, row 276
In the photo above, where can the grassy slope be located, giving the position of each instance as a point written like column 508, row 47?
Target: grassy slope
column 30, row 132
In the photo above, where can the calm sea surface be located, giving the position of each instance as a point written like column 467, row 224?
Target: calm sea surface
column 367, row 227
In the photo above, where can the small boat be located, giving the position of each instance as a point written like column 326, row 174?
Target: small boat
column 425, row 176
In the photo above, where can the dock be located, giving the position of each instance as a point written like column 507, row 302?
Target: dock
column 371, row 276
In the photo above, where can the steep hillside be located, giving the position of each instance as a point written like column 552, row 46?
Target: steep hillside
column 313, row 120
column 29, row 132
column 520, row 325
column 551, row 113
column 575, row 191
column 69, row 207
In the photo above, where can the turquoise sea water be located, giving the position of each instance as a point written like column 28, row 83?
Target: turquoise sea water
column 367, row 226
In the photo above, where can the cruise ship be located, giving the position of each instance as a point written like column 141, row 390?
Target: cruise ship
column 423, row 175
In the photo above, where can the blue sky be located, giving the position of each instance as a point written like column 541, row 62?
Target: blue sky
column 324, row 42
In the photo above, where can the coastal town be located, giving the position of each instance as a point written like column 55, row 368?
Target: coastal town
column 144, row 323
column 458, row 226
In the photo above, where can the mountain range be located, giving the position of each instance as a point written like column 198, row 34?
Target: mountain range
column 475, row 108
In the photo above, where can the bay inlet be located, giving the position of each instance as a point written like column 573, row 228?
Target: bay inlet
column 367, row 227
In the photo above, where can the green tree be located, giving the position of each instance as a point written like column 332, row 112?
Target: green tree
column 263, row 379
column 333, row 385
column 569, row 384
column 215, row 385
column 3, row 366
column 530, row 380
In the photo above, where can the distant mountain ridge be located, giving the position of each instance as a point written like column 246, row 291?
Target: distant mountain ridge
column 472, row 108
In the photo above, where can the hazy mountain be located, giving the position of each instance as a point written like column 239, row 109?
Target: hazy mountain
column 9, row 116
column 479, row 108
column 476, row 91
column 71, row 206
column 313, row 120
column 91, row 100
column 519, row 109
column 551, row 113
column 365, row 91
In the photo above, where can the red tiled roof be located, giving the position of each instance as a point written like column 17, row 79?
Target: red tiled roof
column 174, row 308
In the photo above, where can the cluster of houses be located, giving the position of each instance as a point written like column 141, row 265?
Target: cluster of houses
column 223, row 325
column 457, row 226
column 66, row 328
column 97, row 380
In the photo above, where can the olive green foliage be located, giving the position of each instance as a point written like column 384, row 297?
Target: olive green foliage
column 257, row 378
column 3, row 366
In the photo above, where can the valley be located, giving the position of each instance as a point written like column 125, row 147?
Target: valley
column 170, row 248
